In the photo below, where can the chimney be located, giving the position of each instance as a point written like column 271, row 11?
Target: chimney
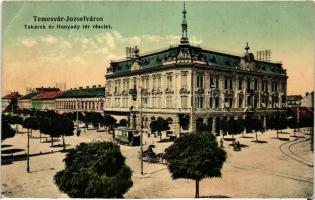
column 306, row 94
column 87, row 87
column 94, row 86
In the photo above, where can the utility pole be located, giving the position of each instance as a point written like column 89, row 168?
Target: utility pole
column 141, row 124
column 28, row 152
column 77, row 114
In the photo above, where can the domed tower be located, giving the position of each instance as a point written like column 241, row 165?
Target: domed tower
column 248, row 61
column 184, row 38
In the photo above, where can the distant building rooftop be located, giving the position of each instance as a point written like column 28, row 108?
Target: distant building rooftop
column 87, row 92
column 47, row 95
column 12, row 95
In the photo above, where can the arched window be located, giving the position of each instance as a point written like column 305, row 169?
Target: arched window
column 170, row 120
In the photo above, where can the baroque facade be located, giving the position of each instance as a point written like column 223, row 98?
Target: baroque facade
column 190, row 82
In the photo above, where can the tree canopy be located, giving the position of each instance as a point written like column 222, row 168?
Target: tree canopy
column 195, row 156
column 95, row 170
column 159, row 125
column 6, row 130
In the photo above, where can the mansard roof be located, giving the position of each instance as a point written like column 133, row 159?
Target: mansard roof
column 210, row 58
column 83, row 92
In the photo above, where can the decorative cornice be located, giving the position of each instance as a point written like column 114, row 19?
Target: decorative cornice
column 169, row 91
column 228, row 93
column 200, row 91
column 184, row 91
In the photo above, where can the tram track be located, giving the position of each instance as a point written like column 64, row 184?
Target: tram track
column 293, row 155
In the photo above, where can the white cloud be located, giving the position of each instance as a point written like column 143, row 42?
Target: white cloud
column 110, row 40
column 195, row 41
column 28, row 42
column 49, row 39
column 79, row 60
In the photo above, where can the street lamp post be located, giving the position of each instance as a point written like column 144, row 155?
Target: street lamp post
column 141, row 134
column 77, row 115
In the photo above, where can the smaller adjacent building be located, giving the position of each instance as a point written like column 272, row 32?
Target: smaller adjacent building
column 46, row 100
column 88, row 99
column 308, row 100
column 294, row 100
column 25, row 102
column 10, row 100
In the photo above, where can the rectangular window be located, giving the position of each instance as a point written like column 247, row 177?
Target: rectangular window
column 231, row 84
column 212, row 82
column 263, row 86
column 184, row 80
column 240, row 81
column 240, row 102
column 127, row 84
column 200, row 102
column 256, row 85
column 255, row 102
column 225, row 83
column 147, row 83
column 158, row 102
column 248, row 84
column 142, row 82
column 169, row 81
column 227, row 103
column 159, row 82
column 200, row 81
column 154, row 82
column 217, row 102
column 248, row 101
column 184, row 102
column 211, row 102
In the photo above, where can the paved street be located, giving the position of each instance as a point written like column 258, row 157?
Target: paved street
column 271, row 168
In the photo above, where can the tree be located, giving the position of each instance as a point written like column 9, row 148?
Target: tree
column 6, row 130
column 123, row 122
column 183, row 121
column 159, row 125
column 280, row 123
column 257, row 126
column 222, row 124
column 195, row 156
column 62, row 126
column 96, row 119
column 31, row 123
column 248, row 124
column 45, row 127
column 109, row 121
column 16, row 120
column 235, row 127
column 95, row 170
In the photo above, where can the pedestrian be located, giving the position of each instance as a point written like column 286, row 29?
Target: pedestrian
column 221, row 143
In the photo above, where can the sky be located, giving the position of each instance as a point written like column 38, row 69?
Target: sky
column 44, row 57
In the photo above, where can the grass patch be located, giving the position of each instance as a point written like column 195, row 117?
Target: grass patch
column 122, row 138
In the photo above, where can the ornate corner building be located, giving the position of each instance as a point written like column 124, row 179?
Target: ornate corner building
column 190, row 82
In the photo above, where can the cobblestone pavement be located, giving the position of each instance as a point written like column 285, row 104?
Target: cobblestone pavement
column 270, row 168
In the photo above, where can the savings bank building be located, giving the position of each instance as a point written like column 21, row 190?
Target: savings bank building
column 188, row 85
